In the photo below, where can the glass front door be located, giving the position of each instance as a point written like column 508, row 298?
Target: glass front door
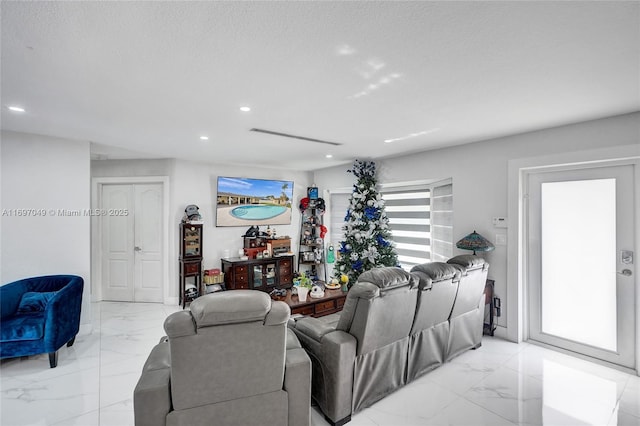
column 580, row 225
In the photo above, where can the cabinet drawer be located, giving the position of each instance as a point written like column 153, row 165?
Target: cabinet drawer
column 241, row 269
column 285, row 271
column 237, row 282
column 285, row 264
column 340, row 302
column 303, row 310
column 325, row 306
column 191, row 268
column 285, row 279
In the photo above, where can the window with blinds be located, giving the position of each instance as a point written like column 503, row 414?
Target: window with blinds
column 441, row 221
column 420, row 217
column 337, row 210
column 409, row 211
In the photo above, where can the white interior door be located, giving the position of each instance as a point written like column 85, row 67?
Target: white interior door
column 132, row 267
column 580, row 240
column 117, row 236
column 148, row 243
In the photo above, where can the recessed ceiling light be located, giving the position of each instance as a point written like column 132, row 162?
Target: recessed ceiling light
column 329, row 156
column 16, row 109
column 245, row 109
column 204, row 138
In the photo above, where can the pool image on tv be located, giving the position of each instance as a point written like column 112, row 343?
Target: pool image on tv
column 244, row 201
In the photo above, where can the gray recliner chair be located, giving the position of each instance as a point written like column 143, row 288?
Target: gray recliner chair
column 429, row 339
column 467, row 316
column 229, row 360
column 363, row 358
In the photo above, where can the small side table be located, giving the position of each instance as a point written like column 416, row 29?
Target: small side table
column 489, row 317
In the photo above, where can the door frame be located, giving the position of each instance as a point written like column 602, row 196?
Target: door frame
column 96, row 225
column 518, row 174
column 625, row 324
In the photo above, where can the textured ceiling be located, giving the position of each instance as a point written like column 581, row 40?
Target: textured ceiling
column 146, row 79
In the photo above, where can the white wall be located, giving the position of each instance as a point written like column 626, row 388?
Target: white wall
column 40, row 172
column 44, row 172
column 480, row 176
column 195, row 183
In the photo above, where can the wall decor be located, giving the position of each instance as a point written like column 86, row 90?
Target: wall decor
column 246, row 201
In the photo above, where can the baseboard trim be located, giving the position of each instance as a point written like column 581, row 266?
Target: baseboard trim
column 501, row 332
column 170, row 300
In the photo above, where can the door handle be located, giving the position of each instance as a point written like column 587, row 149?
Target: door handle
column 136, row 248
column 626, row 272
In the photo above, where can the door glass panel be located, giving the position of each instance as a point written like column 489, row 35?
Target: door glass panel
column 578, row 224
column 257, row 276
column 271, row 274
column 192, row 242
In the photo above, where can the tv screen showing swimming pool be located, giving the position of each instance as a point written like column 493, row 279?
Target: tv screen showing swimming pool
column 247, row 202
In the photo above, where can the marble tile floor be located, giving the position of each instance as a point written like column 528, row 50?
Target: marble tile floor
column 499, row 384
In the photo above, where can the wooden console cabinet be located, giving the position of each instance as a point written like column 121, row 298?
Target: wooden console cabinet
column 258, row 274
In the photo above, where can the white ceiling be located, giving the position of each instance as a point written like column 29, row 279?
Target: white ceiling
column 147, row 79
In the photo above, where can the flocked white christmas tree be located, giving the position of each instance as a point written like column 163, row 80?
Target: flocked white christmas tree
column 367, row 236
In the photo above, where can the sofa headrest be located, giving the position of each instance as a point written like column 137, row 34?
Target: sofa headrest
column 233, row 306
column 434, row 271
column 386, row 278
column 469, row 261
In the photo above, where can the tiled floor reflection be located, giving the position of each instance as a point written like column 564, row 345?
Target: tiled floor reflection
column 499, row 384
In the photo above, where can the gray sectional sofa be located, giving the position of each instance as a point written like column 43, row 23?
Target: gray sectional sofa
column 395, row 327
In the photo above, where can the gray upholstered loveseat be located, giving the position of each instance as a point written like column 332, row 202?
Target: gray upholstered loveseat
column 229, row 360
column 395, row 327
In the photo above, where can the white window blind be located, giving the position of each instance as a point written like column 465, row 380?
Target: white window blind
column 442, row 221
column 409, row 211
column 339, row 203
column 337, row 210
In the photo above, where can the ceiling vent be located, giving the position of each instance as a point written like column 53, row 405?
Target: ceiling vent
column 286, row 135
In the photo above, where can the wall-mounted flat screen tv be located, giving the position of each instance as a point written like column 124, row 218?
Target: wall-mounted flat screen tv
column 247, row 202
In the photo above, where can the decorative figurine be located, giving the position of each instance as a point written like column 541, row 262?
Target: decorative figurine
column 344, row 280
column 191, row 213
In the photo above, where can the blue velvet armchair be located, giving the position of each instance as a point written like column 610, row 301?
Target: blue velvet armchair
column 39, row 315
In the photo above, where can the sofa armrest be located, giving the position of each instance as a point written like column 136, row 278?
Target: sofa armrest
column 10, row 295
column 152, row 398
column 297, row 383
column 62, row 315
column 312, row 327
column 152, row 394
column 333, row 354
